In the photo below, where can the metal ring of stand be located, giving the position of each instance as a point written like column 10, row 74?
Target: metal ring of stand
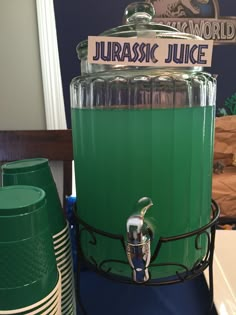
column 188, row 274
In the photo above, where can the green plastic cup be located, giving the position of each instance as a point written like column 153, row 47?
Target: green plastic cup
column 61, row 235
column 28, row 269
column 42, row 306
column 37, row 172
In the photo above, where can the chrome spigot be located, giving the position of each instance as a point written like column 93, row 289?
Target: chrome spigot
column 138, row 241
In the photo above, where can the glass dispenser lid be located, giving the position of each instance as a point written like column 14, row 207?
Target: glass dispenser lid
column 138, row 23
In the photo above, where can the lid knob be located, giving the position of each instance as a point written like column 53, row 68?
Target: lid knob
column 139, row 12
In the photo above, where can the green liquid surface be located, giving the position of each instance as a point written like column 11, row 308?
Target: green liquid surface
column 124, row 155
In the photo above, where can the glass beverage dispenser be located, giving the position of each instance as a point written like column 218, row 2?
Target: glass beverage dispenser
column 143, row 150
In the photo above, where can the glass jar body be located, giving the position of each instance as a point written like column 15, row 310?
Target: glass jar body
column 143, row 133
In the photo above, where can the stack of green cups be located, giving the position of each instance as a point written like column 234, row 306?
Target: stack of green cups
column 30, row 282
column 37, row 172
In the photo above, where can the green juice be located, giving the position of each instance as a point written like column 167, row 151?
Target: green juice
column 124, row 155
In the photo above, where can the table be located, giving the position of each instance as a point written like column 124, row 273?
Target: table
column 224, row 272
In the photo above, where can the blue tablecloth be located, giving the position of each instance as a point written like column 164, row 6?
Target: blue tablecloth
column 101, row 296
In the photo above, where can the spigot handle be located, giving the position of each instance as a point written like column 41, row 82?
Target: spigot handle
column 138, row 241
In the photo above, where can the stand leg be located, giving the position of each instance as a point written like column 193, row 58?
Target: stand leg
column 210, row 268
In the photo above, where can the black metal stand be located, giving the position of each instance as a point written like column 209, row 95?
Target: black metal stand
column 187, row 274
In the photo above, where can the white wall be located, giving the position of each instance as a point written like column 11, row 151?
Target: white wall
column 21, row 91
